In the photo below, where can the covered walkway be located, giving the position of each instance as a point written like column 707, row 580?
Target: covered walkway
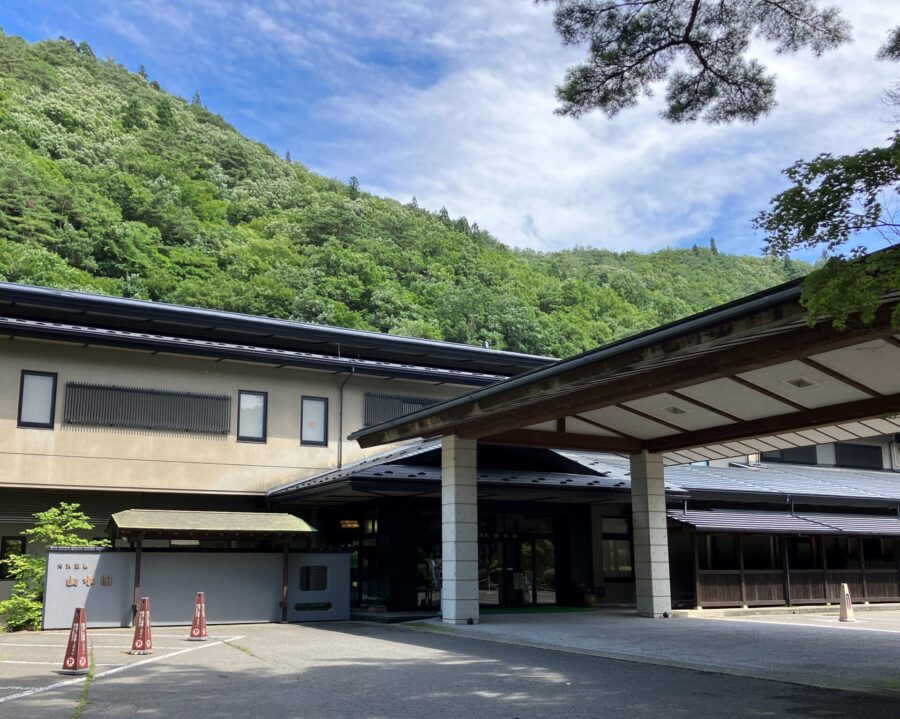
column 747, row 377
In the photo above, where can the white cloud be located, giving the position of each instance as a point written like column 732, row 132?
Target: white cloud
column 454, row 103
column 483, row 140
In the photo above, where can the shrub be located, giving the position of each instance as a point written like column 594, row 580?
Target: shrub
column 56, row 527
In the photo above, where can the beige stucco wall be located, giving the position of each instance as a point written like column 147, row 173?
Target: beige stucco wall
column 98, row 458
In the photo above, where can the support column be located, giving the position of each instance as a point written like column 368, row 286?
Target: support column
column 459, row 530
column 651, row 542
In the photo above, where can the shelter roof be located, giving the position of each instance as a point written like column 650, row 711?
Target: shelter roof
column 746, row 377
column 171, row 524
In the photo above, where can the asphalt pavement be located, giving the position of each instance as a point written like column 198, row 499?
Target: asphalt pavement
column 344, row 670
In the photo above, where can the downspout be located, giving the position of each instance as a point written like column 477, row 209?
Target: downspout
column 340, row 456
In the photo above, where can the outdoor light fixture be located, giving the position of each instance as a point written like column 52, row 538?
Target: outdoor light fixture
column 675, row 410
column 800, row 382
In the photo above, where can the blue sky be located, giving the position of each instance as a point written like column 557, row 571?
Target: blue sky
column 453, row 102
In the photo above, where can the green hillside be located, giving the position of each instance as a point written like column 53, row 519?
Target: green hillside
column 109, row 184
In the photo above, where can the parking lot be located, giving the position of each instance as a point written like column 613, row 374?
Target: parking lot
column 364, row 670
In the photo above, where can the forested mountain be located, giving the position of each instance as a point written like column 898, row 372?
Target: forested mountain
column 109, row 184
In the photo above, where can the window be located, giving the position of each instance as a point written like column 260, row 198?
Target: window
column 380, row 407
column 314, row 578
column 617, row 555
column 858, row 456
column 252, row 416
column 314, row 421
column 10, row 546
column 37, row 399
column 793, row 455
column 101, row 405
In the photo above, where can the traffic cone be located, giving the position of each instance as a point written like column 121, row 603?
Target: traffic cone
column 76, row 660
column 198, row 626
column 143, row 633
column 846, row 605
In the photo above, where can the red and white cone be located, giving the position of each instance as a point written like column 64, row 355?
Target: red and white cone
column 76, row 659
column 198, row 626
column 143, row 633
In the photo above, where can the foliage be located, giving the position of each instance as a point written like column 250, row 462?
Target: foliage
column 108, row 184
column 56, row 527
column 833, row 201
column 698, row 46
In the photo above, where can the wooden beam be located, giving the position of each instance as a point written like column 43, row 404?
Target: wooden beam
column 703, row 405
column 564, row 440
column 834, row 374
column 594, row 423
column 638, row 373
column 650, row 417
column 768, row 393
column 809, row 419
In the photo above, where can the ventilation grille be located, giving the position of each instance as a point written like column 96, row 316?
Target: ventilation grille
column 151, row 409
column 314, row 578
column 382, row 407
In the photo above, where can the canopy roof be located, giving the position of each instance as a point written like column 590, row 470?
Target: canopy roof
column 752, row 521
column 749, row 376
column 177, row 524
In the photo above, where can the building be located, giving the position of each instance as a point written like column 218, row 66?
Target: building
column 121, row 404
column 555, row 527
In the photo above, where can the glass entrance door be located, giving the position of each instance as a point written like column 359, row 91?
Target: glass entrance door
column 513, row 572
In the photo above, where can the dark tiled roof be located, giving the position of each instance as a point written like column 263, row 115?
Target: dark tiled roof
column 738, row 520
column 766, row 479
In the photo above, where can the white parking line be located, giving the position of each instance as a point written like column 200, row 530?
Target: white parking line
column 123, row 647
column 842, row 625
column 17, row 661
column 115, row 670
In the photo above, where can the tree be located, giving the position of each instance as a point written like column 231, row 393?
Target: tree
column 165, row 115
column 354, row 188
column 831, row 202
column 287, row 155
column 196, row 101
column 712, row 246
column 133, row 116
column 60, row 526
column 699, row 47
column 142, row 71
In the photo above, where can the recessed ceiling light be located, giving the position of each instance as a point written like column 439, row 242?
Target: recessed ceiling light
column 800, row 382
column 675, row 410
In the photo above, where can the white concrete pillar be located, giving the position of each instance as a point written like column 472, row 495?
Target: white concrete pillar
column 459, row 530
column 651, row 542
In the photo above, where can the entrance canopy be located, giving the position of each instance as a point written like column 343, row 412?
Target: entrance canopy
column 750, row 376
column 181, row 524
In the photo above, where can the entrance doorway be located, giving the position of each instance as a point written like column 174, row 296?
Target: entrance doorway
column 516, row 571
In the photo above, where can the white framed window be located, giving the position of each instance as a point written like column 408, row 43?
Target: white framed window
column 37, row 399
column 314, row 421
column 252, row 416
